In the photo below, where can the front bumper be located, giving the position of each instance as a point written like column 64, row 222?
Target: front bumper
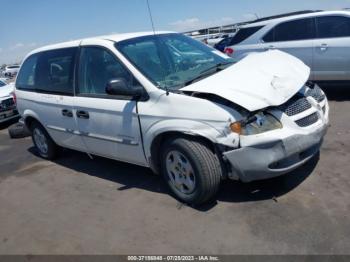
column 8, row 115
column 275, row 158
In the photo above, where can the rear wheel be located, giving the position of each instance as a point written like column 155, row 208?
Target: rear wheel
column 191, row 170
column 45, row 146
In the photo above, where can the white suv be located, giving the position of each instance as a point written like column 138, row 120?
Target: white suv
column 171, row 103
column 320, row 39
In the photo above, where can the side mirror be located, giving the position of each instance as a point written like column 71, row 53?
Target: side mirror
column 119, row 87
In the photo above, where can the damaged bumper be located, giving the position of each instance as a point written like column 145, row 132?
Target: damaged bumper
column 275, row 158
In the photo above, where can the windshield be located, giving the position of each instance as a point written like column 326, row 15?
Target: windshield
column 2, row 83
column 171, row 61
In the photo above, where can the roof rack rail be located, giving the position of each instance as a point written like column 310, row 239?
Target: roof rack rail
column 285, row 15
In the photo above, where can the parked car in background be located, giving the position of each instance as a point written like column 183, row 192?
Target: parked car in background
column 179, row 107
column 216, row 39
column 8, row 109
column 11, row 71
column 211, row 39
column 223, row 44
column 320, row 39
column 201, row 38
column 3, row 81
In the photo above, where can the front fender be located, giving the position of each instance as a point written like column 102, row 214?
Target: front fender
column 189, row 127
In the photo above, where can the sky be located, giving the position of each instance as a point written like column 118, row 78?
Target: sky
column 29, row 24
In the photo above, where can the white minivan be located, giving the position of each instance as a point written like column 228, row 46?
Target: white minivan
column 165, row 101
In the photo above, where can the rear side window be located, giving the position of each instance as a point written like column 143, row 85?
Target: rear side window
column 244, row 33
column 55, row 70
column 333, row 26
column 26, row 78
column 302, row 29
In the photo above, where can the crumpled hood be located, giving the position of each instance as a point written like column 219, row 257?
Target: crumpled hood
column 258, row 81
column 7, row 90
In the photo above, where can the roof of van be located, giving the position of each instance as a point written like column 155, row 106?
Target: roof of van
column 287, row 18
column 114, row 38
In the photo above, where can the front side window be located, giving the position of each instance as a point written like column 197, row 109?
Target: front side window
column 333, row 26
column 97, row 67
column 2, row 83
column 26, row 78
column 171, row 61
column 302, row 29
column 55, row 70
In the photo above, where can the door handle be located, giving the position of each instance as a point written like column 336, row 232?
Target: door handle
column 323, row 47
column 83, row 114
column 67, row 113
column 270, row 47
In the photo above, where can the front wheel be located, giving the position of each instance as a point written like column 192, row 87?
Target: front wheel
column 45, row 146
column 191, row 170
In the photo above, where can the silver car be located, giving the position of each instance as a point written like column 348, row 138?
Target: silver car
column 320, row 39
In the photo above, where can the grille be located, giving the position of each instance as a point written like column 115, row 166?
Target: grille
column 307, row 121
column 316, row 93
column 6, row 104
column 296, row 106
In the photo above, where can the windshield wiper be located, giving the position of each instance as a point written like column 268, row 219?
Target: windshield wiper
column 207, row 72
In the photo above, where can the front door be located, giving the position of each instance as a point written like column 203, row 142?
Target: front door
column 109, row 125
column 294, row 37
column 332, row 48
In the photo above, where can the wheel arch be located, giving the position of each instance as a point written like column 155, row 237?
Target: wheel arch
column 30, row 117
column 154, row 152
column 162, row 131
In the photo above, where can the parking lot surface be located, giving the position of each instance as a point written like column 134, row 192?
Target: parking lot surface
column 76, row 205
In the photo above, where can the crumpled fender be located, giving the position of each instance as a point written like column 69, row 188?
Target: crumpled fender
column 189, row 127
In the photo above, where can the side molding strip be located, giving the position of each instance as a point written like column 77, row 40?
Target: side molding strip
column 86, row 134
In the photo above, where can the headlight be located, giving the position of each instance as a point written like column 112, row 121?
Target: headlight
column 256, row 124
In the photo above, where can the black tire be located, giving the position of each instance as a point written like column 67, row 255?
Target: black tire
column 18, row 130
column 206, row 169
column 52, row 148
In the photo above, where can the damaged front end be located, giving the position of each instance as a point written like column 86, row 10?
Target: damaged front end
column 276, row 140
column 279, row 118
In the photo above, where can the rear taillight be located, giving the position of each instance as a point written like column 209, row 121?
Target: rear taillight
column 229, row 51
column 14, row 98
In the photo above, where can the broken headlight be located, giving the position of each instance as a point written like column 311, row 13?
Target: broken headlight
column 256, row 124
